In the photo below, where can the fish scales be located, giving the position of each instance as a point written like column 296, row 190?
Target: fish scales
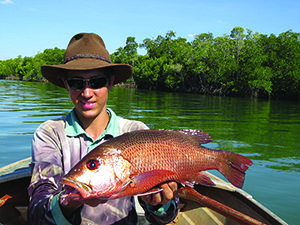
column 164, row 150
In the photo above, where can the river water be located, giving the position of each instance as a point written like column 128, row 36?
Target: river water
column 268, row 132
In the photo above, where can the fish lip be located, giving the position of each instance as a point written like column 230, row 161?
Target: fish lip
column 82, row 188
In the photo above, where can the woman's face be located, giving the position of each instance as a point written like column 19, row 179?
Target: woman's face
column 89, row 103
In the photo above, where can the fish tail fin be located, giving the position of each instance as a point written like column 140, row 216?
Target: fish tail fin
column 234, row 168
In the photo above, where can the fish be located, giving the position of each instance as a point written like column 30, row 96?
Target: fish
column 137, row 162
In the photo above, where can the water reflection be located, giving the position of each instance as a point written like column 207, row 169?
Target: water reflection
column 265, row 130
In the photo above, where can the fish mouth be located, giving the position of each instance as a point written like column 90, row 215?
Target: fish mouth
column 82, row 189
column 75, row 190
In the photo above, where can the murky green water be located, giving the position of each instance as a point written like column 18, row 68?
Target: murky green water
column 268, row 132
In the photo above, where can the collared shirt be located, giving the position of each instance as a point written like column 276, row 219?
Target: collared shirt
column 57, row 146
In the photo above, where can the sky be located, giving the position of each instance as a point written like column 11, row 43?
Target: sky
column 28, row 27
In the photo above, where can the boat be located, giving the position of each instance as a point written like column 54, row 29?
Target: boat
column 15, row 178
column 14, row 181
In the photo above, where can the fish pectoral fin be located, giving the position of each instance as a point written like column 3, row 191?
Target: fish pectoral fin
column 146, row 183
column 152, row 178
column 152, row 191
column 199, row 178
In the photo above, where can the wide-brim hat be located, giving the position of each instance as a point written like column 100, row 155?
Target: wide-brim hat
column 86, row 51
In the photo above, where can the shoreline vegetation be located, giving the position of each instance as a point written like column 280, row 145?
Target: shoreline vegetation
column 242, row 64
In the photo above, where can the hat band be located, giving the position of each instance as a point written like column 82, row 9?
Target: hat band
column 86, row 56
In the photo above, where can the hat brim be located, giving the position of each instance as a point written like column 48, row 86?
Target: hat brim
column 54, row 73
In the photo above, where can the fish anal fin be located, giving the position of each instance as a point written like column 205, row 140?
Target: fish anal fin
column 200, row 178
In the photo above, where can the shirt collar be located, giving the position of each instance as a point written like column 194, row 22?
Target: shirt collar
column 73, row 128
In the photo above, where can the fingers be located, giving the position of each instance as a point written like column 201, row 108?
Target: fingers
column 147, row 198
column 169, row 192
column 173, row 186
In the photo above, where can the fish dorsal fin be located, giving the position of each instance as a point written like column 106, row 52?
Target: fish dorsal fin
column 197, row 135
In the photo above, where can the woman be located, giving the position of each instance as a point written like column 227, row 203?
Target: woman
column 88, row 75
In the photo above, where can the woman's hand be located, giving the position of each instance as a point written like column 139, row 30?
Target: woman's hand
column 162, row 198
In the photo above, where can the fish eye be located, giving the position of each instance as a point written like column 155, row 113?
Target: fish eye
column 92, row 164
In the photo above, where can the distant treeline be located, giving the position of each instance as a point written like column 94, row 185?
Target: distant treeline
column 242, row 63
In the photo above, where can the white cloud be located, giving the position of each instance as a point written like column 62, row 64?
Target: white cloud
column 222, row 22
column 192, row 35
column 6, row 2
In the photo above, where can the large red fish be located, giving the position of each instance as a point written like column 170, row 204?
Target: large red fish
column 135, row 162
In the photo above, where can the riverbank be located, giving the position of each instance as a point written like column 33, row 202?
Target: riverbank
column 210, row 91
column 11, row 77
column 132, row 84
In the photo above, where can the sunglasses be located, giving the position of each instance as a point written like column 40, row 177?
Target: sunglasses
column 79, row 83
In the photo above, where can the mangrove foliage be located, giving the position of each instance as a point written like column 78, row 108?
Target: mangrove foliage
column 242, row 63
